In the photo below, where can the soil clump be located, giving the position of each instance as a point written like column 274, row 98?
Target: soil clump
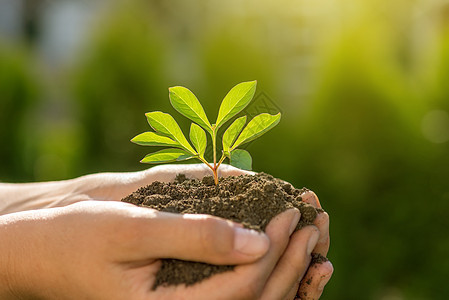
column 252, row 200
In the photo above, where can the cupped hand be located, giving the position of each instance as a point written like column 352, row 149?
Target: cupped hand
column 112, row 250
column 290, row 278
column 19, row 197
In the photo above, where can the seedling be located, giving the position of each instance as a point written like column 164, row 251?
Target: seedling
column 167, row 132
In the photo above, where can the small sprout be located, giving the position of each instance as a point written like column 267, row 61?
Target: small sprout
column 167, row 132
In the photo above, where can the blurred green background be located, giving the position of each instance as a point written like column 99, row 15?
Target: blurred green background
column 363, row 87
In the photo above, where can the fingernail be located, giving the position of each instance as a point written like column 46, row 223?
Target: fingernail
column 311, row 198
column 313, row 239
column 295, row 221
column 250, row 242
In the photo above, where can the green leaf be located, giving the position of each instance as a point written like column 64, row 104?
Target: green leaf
column 235, row 101
column 166, row 155
column 154, row 139
column 185, row 102
column 166, row 125
column 231, row 133
column 257, row 127
column 198, row 139
column 241, row 159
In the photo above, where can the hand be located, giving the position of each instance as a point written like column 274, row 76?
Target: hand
column 316, row 278
column 111, row 250
column 292, row 261
column 101, row 186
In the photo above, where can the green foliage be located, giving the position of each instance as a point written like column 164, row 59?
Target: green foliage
column 166, row 155
column 153, row 139
column 119, row 72
column 185, row 102
column 168, row 133
column 241, row 159
column 232, row 132
column 256, row 127
column 19, row 94
column 165, row 124
column 198, row 138
column 235, row 101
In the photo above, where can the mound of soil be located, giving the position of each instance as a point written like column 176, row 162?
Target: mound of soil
column 252, row 200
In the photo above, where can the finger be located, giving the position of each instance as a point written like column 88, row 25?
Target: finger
column 226, row 170
column 292, row 294
column 321, row 222
column 278, row 230
column 316, row 278
column 168, row 173
column 293, row 264
column 247, row 281
column 153, row 234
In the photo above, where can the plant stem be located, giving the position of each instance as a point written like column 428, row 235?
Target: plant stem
column 214, row 169
column 207, row 164
column 214, row 145
column 215, row 177
column 221, row 160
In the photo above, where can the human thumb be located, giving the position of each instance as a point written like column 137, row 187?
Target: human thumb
column 202, row 238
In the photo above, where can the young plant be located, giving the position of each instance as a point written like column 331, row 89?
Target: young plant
column 167, row 132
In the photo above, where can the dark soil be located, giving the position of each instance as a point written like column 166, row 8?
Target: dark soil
column 318, row 259
column 250, row 200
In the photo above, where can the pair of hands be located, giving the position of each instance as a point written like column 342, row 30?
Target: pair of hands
column 106, row 249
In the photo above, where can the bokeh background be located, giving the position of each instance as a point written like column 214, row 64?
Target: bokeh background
column 363, row 87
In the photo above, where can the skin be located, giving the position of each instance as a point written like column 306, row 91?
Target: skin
column 318, row 275
column 74, row 240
